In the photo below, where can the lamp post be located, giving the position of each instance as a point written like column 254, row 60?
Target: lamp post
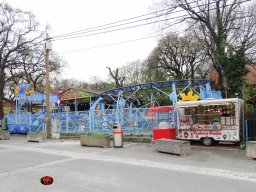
column 58, row 105
column 48, row 47
column 75, row 102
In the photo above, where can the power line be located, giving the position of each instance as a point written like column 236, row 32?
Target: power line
column 118, row 43
column 123, row 28
column 97, row 28
column 80, row 31
column 92, row 34
column 129, row 27
column 108, row 45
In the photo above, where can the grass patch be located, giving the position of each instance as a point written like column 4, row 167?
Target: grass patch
column 242, row 144
column 96, row 134
column 139, row 135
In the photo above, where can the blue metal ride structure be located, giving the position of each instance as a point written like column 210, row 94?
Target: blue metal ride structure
column 24, row 122
column 134, row 119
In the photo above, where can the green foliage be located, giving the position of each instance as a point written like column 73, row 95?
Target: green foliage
column 242, row 145
column 235, row 72
column 96, row 134
column 139, row 135
column 163, row 100
column 249, row 96
column 249, row 108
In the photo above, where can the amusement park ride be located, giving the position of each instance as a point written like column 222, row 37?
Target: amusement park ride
column 196, row 112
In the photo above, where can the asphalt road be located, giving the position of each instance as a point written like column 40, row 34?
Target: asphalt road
column 136, row 167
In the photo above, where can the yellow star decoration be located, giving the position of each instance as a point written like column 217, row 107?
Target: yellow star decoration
column 17, row 90
column 30, row 91
column 189, row 96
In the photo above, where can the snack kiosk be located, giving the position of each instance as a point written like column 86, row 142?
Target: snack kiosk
column 163, row 124
column 210, row 120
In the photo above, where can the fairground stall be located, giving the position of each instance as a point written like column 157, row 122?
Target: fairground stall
column 76, row 99
column 163, row 123
column 210, row 120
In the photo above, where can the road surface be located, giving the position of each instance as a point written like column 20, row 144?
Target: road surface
column 136, row 167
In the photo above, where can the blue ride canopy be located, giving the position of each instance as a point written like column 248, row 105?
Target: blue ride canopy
column 26, row 93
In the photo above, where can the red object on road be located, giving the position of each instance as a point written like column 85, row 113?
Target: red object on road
column 46, row 180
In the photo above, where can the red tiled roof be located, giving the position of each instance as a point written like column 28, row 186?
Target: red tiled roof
column 250, row 77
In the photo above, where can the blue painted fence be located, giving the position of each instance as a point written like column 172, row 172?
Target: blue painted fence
column 133, row 121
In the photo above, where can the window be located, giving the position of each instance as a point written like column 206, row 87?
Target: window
column 207, row 117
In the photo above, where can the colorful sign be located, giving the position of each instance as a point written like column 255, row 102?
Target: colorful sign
column 229, row 135
column 190, row 96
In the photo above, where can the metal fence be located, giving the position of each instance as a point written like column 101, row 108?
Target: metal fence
column 250, row 127
column 133, row 121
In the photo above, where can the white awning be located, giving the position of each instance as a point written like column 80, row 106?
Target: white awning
column 209, row 102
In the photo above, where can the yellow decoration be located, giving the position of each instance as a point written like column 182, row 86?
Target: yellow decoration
column 30, row 91
column 17, row 90
column 189, row 96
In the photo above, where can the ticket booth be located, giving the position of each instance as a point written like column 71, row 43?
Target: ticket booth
column 163, row 123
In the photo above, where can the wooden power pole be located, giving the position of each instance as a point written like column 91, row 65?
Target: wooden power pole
column 48, row 47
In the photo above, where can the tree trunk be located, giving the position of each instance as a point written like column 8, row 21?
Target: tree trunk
column 2, row 82
column 220, row 84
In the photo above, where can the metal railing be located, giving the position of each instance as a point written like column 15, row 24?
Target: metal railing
column 133, row 121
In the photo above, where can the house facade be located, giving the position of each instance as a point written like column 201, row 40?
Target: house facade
column 9, row 106
column 250, row 77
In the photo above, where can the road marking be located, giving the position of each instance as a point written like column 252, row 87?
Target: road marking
column 8, row 150
column 26, row 169
column 227, row 174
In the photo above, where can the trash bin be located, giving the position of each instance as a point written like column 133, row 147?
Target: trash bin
column 118, row 136
column 55, row 127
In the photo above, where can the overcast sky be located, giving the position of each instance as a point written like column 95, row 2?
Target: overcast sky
column 68, row 16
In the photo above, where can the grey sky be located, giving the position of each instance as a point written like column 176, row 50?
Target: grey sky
column 69, row 16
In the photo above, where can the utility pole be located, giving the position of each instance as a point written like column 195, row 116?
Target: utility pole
column 48, row 47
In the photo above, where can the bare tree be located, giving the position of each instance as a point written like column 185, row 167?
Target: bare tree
column 18, row 29
column 224, row 26
column 132, row 72
column 179, row 57
column 63, row 84
column 245, row 35
column 119, row 80
column 99, row 85
column 32, row 67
